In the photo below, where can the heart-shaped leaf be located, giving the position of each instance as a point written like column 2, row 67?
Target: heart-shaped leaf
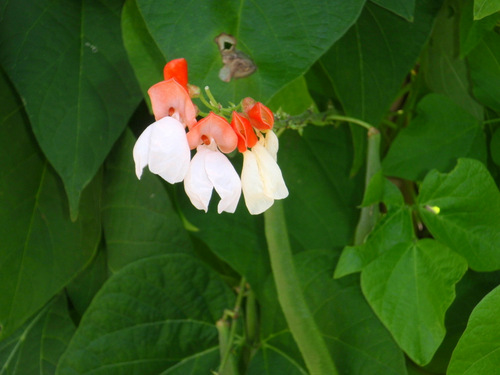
column 41, row 248
column 461, row 209
column 263, row 31
column 68, row 63
column 410, row 286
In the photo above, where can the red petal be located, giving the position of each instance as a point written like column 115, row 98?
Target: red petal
column 216, row 127
column 244, row 131
column 178, row 70
column 169, row 98
column 261, row 117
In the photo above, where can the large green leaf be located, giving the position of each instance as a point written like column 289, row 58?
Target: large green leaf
column 470, row 291
column 145, row 57
column 138, row 217
column 403, row 8
column 478, row 351
column 150, row 316
column 35, row 348
column 471, row 31
column 282, row 38
column 270, row 360
column 316, row 169
column 237, row 239
column 410, row 286
column 68, row 63
column 484, row 62
column 41, row 248
column 369, row 64
column 443, row 69
column 84, row 287
column 467, row 220
column 358, row 342
column 483, row 8
column 439, row 134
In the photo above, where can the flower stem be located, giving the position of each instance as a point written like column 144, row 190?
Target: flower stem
column 290, row 295
column 369, row 215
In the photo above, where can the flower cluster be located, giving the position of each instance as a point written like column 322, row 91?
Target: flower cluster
column 165, row 147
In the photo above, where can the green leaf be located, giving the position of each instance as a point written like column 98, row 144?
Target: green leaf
column 293, row 99
column 443, row 70
column 148, row 317
column 472, row 32
column 369, row 64
column 478, row 351
column 495, row 147
column 468, row 220
column 270, row 360
column 68, row 63
column 358, row 342
column 381, row 189
column 316, row 170
column 42, row 249
column 410, row 286
column 484, row 62
column 439, row 134
column 35, row 348
column 198, row 363
column 483, row 8
column 281, row 53
column 84, row 287
column 392, row 229
column 237, row 239
column 145, row 57
column 138, row 217
column 403, row 8
column 470, row 291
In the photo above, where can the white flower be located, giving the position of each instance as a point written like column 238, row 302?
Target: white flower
column 163, row 146
column 261, row 178
column 210, row 169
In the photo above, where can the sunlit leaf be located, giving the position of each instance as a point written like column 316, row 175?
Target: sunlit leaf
column 478, row 351
column 483, row 8
column 150, row 316
column 358, row 342
column 68, row 63
column 41, row 248
column 468, row 220
column 410, row 286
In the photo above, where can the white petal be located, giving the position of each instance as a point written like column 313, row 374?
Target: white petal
column 270, row 172
column 141, row 151
column 169, row 152
column 271, row 144
column 253, row 188
column 225, row 180
column 197, row 184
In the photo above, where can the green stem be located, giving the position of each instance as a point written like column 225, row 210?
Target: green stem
column 226, row 339
column 251, row 317
column 351, row 120
column 291, row 298
column 369, row 215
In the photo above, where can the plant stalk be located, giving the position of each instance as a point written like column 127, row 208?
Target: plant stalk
column 298, row 316
column 369, row 215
